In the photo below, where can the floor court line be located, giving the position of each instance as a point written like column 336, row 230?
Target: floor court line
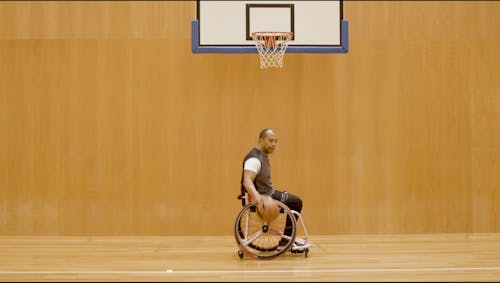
column 170, row 271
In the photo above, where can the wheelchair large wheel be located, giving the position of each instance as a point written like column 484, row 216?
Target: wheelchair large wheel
column 259, row 239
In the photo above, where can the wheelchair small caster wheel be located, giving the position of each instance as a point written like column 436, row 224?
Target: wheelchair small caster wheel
column 240, row 254
column 306, row 251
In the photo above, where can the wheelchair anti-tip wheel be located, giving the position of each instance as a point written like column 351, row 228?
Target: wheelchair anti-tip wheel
column 258, row 238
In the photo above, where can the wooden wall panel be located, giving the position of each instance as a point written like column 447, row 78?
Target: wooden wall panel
column 109, row 124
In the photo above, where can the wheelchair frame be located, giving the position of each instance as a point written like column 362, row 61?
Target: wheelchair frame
column 259, row 239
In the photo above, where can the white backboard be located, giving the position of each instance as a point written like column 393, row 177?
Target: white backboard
column 226, row 26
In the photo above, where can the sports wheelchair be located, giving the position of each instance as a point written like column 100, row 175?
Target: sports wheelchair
column 259, row 239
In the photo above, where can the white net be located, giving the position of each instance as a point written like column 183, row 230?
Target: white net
column 271, row 47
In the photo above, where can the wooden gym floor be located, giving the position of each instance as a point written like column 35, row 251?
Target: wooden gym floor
column 442, row 257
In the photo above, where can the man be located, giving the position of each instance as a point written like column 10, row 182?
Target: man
column 256, row 176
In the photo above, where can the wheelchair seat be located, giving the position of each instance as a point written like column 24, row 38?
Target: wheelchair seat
column 259, row 239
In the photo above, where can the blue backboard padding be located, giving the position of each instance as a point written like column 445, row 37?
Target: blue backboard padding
column 197, row 48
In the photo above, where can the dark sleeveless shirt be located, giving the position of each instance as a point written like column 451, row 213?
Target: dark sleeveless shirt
column 262, row 181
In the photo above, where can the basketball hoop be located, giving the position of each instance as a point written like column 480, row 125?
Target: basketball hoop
column 271, row 47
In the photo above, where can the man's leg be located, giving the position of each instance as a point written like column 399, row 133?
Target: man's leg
column 293, row 202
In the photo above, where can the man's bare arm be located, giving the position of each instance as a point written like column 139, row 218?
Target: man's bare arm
column 248, row 178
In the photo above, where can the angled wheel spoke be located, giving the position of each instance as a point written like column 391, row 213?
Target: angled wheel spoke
column 252, row 238
column 275, row 232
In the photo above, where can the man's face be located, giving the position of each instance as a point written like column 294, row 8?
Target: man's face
column 268, row 143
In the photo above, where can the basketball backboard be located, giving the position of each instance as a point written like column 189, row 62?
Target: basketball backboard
column 226, row 26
